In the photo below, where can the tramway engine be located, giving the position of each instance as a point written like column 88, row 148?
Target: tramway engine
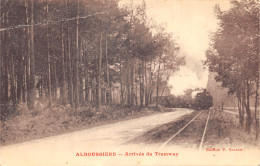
column 202, row 100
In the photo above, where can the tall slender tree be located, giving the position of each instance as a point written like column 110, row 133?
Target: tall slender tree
column 31, row 90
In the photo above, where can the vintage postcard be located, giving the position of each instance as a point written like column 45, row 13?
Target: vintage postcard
column 129, row 82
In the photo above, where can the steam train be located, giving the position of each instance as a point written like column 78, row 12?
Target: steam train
column 202, row 100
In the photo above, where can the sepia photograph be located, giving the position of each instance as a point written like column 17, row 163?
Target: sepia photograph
column 129, row 82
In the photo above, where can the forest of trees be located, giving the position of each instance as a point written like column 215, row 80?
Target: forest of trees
column 76, row 51
column 234, row 56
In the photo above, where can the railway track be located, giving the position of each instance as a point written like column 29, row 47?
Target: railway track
column 189, row 124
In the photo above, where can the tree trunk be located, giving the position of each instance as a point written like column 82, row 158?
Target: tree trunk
column 28, row 70
column 128, row 84
column 108, row 88
column 141, row 84
column 256, row 104
column 93, row 90
column 157, row 87
column 151, row 85
column 146, row 86
column 41, row 87
column 4, row 82
column 76, row 84
column 24, row 84
column 240, row 109
column 20, row 74
column 248, row 111
column 133, row 82
column 86, row 86
column 20, row 65
column 70, row 72
column 121, row 86
column 49, row 59
column 99, row 60
column 1, row 57
column 63, row 92
column 5, row 85
column 243, row 105
column 55, row 79
column 81, row 97
column 136, row 92
column 69, row 62
column 31, row 90
column 86, row 77
column 12, row 80
column 27, row 57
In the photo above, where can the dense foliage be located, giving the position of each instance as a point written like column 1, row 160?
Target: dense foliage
column 234, row 55
column 73, row 52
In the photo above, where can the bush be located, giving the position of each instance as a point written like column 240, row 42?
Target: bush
column 86, row 113
column 7, row 110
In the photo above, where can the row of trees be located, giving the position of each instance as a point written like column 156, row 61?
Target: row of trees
column 234, row 55
column 78, row 51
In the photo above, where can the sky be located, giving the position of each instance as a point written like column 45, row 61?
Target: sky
column 191, row 22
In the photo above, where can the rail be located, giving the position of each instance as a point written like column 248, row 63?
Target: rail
column 203, row 135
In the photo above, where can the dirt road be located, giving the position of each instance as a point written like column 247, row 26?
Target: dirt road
column 62, row 149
